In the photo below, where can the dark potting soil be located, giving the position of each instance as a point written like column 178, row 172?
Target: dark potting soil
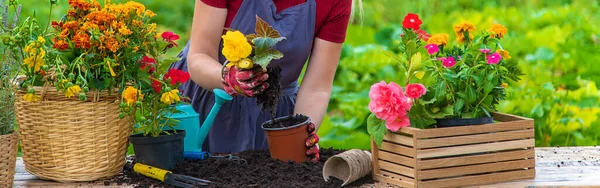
column 287, row 121
column 259, row 171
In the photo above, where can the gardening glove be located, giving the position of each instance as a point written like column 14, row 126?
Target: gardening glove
column 244, row 82
column 312, row 143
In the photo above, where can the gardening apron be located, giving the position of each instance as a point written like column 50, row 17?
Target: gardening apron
column 237, row 126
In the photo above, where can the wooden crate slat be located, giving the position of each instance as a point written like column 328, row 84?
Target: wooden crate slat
column 473, row 139
column 480, row 179
column 478, row 159
column 402, row 182
column 475, row 129
column 384, row 155
column 408, row 130
column 476, row 148
column 502, row 117
column 476, row 169
column 397, row 148
column 375, row 156
column 399, row 169
column 400, row 139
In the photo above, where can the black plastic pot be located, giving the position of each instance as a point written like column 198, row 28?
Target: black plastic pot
column 455, row 122
column 164, row 151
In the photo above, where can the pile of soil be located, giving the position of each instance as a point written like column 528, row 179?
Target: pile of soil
column 259, row 171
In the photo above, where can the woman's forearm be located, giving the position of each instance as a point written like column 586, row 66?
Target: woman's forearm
column 205, row 71
column 312, row 103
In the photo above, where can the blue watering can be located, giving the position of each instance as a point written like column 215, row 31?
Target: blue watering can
column 189, row 121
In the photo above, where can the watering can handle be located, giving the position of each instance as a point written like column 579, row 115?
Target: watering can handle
column 221, row 97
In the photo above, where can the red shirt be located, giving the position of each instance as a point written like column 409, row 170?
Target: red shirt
column 331, row 18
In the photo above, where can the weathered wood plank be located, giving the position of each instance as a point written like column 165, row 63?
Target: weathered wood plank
column 477, row 159
column 399, row 169
column 469, row 149
column 479, row 179
column 476, row 169
column 388, row 146
column 400, row 139
column 402, row 182
column 384, row 155
column 475, row 129
column 475, row 139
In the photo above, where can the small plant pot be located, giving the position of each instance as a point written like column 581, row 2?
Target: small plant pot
column 455, row 122
column 286, row 137
column 164, row 151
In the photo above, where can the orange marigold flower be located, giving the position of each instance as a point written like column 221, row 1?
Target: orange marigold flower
column 136, row 48
column 112, row 44
column 80, row 4
column 498, row 31
column 138, row 7
column 461, row 38
column 124, row 30
column 464, row 27
column 82, row 40
column 60, row 44
column 71, row 25
column 504, row 54
column 71, row 13
column 64, row 33
column 438, row 39
column 137, row 23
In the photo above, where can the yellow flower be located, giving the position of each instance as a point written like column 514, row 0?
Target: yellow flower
column 420, row 75
column 504, row 54
column 136, row 48
column 245, row 63
column 152, row 28
column 460, row 28
column 505, row 85
column 149, row 13
column 235, row 46
column 498, row 31
column 438, row 39
column 461, row 38
column 124, row 30
column 170, row 97
column 31, row 97
column 131, row 95
column 112, row 72
column 41, row 39
column 71, row 91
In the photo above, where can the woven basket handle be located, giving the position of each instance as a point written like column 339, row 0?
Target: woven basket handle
column 45, row 89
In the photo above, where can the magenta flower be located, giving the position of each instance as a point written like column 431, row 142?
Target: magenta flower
column 432, row 48
column 389, row 103
column 485, row 51
column 447, row 62
column 494, row 58
column 414, row 91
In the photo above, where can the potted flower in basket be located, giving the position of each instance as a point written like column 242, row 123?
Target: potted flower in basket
column 153, row 98
column 76, row 69
column 445, row 85
column 9, row 68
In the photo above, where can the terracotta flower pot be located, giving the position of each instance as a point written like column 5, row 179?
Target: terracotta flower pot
column 286, row 137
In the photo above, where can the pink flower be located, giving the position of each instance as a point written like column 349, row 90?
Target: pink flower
column 389, row 103
column 415, row 91
column 485, row 51
column 422, row 35
column 447, row 62
column 432, row 48
column 494, row 58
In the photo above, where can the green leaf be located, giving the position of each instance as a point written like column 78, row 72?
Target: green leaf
column 460, row 103
column 376, row 128
column 265, row 58
column 477, row 79
column 486, row 111
column 415, row 61
column 462, row 95
column 419, row 118
column 440, row 90
column 488, row 100
column 263, row 29
column 265, row 43
column 488, row 87
column 471, row 95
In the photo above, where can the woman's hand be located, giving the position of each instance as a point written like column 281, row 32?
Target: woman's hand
column 312, row 142
column 245, row 82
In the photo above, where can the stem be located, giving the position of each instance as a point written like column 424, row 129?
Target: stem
column 49, row 16
column 447, row 83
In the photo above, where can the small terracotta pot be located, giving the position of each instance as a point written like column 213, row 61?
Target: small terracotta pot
column 288, row 143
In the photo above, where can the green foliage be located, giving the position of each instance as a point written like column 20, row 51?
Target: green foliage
column 7, row 114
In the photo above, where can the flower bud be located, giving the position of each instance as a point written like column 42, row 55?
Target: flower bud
column 121, row 115
column 69, row 84
column 86, row 89
column 122, row 105
column 71, row 75
column 82, row 96
column 138, row 103
column 31, row 91
column 142, row 118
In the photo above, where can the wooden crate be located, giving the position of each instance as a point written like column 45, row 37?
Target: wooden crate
column 457, row 156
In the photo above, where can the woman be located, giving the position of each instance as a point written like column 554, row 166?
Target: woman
column 313, row 28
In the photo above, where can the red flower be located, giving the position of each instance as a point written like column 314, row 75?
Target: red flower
column 56, row 24
column 170, row 37
column 157, row 86
column 177, row 76
column 412, row 21
column 423, row 34
column 148, row 62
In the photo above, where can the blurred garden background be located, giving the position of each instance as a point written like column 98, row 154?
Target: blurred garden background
column 556, row 42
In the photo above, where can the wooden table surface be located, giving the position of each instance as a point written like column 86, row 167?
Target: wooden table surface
column 555, row 167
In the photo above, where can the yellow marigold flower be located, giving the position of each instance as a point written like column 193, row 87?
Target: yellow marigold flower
column 504, row 54
column 463, row 27
column 149, row 13
column 170, row 97
column 498, row 31
column 235, row 46
column 71, row 91
column 124, row 30
column 504, row 85
column 31, row 97
column 245, row 63
column 136, row 48
column 41, row 39
column 438, row 39
column 152, row 28
column 137, row 23
column 112, row 72
column 131, row 95
column 461, row 38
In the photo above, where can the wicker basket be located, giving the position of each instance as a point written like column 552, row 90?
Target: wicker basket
column 68, row 140
column 8, row 159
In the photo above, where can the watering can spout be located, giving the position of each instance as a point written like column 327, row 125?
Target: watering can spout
column 221, row 97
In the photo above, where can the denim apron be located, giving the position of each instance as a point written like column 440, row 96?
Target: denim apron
column 237, row 126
